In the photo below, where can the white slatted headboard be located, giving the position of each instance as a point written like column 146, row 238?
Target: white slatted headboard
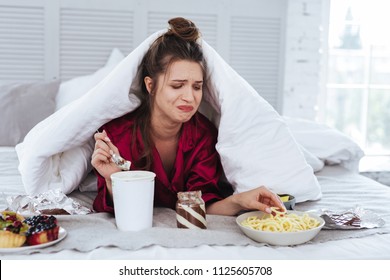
column 62, row 39
column 22, row 42
column 87, row 37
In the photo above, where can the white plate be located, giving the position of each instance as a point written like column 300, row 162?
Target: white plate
column 61, row 235
column 279, row 238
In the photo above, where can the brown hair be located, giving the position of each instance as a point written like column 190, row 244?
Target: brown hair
column 178, row 43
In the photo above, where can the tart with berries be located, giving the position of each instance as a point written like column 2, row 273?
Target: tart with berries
column 42, row 229
column 12, row 230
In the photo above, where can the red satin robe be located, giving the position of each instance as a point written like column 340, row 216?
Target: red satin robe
column 197, row 165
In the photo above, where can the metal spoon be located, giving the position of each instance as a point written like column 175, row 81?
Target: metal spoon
column 119, row 161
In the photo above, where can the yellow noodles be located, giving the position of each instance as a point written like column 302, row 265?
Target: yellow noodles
column 281, row 222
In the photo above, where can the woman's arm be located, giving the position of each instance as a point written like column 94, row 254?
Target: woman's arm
column 257, row 199
column 101, row 161
column 205, row 174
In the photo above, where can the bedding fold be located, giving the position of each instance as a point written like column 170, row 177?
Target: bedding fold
column 328, row 145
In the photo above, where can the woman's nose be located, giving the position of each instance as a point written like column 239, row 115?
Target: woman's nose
column 188, row 94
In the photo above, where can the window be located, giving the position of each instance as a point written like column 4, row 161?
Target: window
column 358, row 83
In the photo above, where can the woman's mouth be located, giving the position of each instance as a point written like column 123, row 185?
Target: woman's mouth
column 185, row 108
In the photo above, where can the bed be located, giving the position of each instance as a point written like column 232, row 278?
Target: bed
column 342, row 189
column 332, row 157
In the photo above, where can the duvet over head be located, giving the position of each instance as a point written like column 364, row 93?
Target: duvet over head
column 255, row 144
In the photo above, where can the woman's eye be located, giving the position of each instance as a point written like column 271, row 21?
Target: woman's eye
column 197, row 87
column 176, row 86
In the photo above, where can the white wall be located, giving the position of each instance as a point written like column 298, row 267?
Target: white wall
column 63, row 38
column 305, row 57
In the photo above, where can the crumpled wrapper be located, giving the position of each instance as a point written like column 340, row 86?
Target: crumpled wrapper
column 52, row 202
column 357, row 218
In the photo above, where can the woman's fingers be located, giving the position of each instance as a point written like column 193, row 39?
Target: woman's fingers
column 260, row 205
column 99, row 144
column 102, row 152
column 269, row 198
column 103, row 142
column 99, row 157
column 278, row 202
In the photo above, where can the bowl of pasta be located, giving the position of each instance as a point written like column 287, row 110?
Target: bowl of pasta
column 280, row 228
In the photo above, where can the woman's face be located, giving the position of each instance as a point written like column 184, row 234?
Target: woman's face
column 179, row 92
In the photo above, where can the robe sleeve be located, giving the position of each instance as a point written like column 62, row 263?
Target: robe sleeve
column 103, row 201
column 206, row 169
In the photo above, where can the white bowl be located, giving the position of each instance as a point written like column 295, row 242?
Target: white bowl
column 279, row 238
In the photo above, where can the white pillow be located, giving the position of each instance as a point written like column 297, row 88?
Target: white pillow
column 315, row 163
column 76, row 87
column 22, row 106
column 326, row 143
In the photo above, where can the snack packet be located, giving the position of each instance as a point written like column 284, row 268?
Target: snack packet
column 52, row 202
column 357, row 218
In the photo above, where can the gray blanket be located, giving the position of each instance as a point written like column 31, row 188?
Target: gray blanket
column 96, row 230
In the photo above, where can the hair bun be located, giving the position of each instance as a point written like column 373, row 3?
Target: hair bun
column 183, row 28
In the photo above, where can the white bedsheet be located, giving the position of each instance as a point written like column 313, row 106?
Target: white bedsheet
column 368, row 248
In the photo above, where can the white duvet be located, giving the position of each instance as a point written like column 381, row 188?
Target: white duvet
column 255, row 144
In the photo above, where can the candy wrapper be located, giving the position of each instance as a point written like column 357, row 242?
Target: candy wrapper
column 53, row 202
column 357, row 218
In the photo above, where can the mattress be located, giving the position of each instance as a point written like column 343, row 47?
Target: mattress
column 342, row 190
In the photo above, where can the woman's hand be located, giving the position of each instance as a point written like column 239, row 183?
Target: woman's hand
column 260, row 198
column 101, row 157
